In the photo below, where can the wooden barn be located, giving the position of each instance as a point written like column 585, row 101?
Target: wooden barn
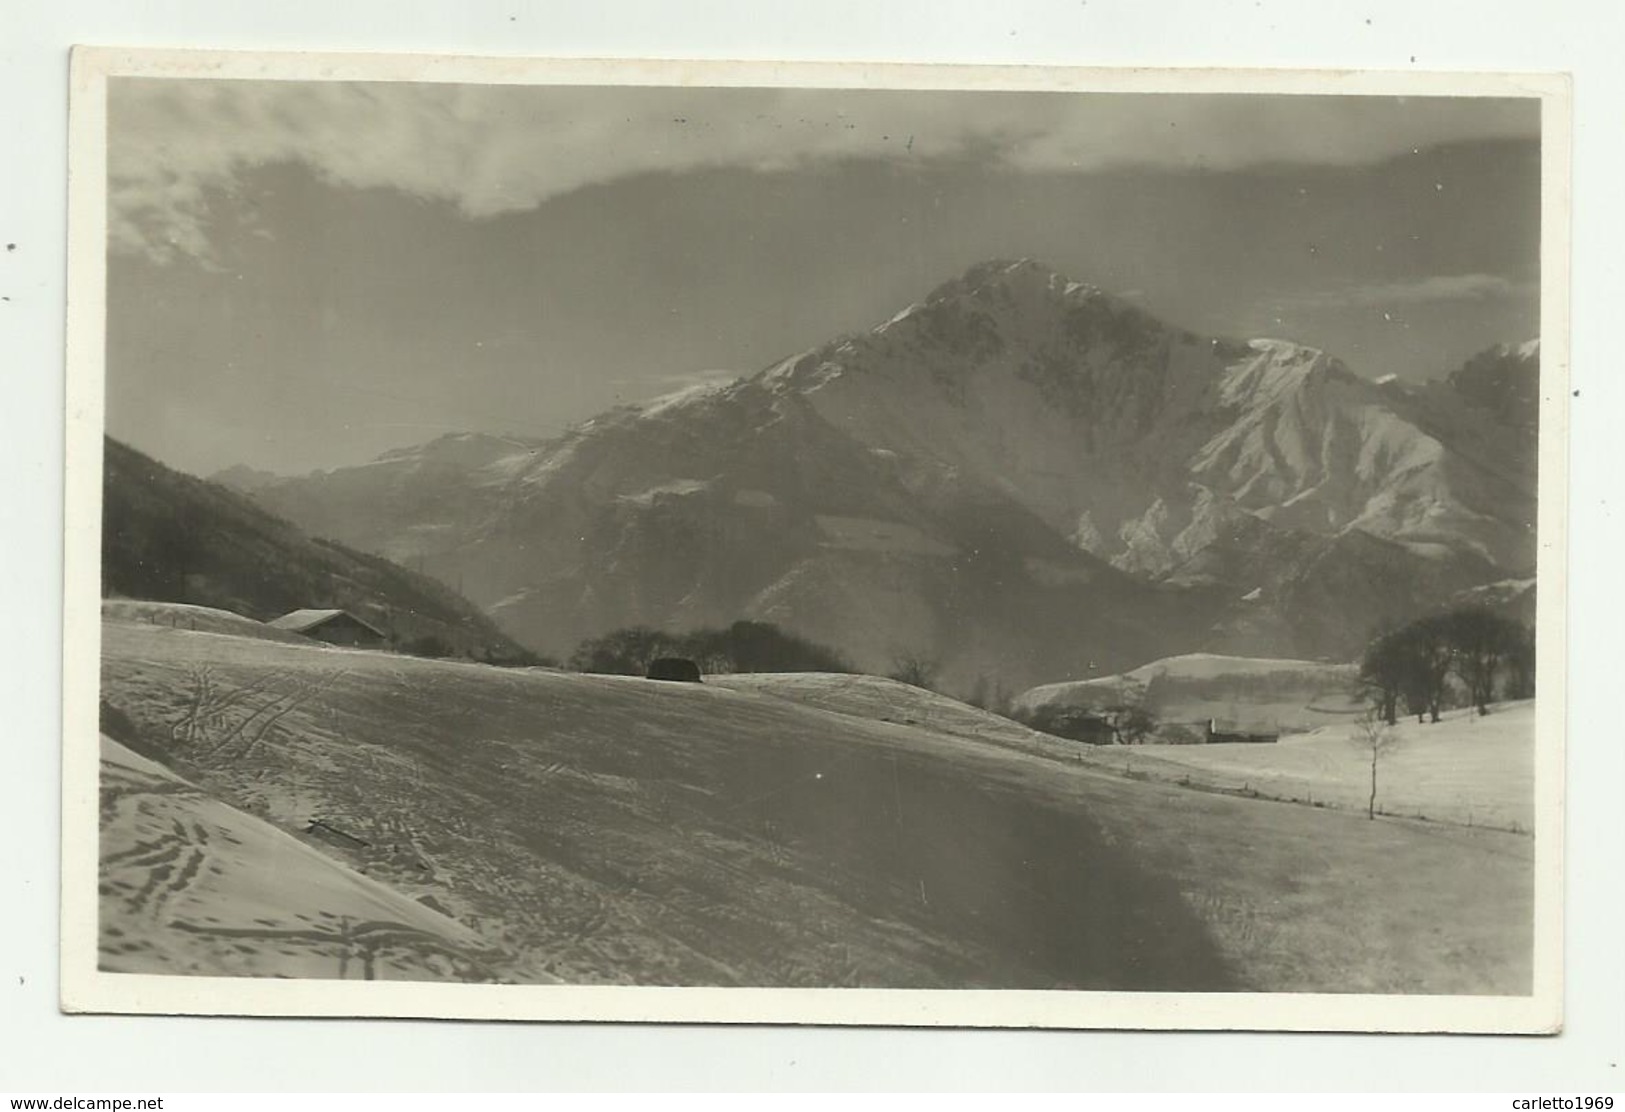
column 336, row 627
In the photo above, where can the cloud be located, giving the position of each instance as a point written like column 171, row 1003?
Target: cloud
column 176, row 143
column 1434, row 288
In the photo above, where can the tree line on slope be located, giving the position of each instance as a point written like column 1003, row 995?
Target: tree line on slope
column 1418, row 665
column 744, row 646
column 1469, row 652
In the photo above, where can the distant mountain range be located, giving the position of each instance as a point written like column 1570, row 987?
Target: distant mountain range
column 171, row 537
column 1021, row 474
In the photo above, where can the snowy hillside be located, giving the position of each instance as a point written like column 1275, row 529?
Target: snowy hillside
column 1240, row 692
column 172, row 538
column 811, row 831
column 191, row 885
column 1466, row 770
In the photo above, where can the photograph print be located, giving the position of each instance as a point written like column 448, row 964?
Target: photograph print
column 820, row 540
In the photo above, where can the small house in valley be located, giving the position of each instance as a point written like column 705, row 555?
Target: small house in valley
column 336, row 627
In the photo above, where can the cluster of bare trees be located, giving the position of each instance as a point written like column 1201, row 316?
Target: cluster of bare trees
column 741, row 647
column 1129, row 714
column 915, row 668
column 1415, row 666
column 1122, row 716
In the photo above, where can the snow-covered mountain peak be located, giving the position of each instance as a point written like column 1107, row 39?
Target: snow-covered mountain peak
column 1004, row 283
column 1274, row 368
column 1528, row 349
column 692, row 394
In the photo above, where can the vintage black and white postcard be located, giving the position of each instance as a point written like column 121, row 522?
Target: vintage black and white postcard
column 815, row 544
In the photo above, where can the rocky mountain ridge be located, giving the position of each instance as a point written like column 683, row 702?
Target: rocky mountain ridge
column 1020, row 472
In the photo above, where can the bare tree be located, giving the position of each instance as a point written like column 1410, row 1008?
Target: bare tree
column 999, row 701
column 1520, row 664
column 917, row 669
column 1130, row 718
column 978, row 696
column 1386, row 672
column 1483, row 640
column 1376, row 739
column 1432, row 656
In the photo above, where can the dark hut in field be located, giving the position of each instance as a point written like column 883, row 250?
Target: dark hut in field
column 1216, row 736
column 674, row 668
column 336, row 627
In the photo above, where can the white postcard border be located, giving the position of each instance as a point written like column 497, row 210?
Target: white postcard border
column 84, row 988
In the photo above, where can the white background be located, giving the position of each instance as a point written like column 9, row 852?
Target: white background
column 46, row 1053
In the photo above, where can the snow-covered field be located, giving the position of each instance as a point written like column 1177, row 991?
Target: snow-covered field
column 191, row 885
column 203, row 619
column 747, row 831
column 884, row 700
column 1466, row 769
column 1241, row 692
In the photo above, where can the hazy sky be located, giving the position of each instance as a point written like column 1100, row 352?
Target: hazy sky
column 303, row 275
